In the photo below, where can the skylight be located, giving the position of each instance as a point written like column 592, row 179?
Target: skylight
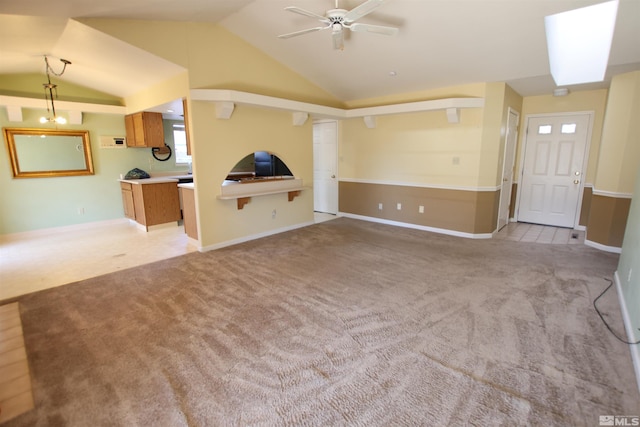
column 579, row 42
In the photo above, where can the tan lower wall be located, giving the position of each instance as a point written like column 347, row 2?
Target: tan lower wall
column 587, row 197
column 608, row 220
column 464, row 211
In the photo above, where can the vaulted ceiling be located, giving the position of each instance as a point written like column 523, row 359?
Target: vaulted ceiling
column 440, row 43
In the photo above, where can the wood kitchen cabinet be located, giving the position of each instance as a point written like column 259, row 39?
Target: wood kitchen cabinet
column 144, row 129
column 127, row 200
column 151, row 203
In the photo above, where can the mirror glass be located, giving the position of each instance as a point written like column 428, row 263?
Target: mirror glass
column 38, row 153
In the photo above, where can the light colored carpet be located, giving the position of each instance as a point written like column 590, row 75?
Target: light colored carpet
column 339, row 323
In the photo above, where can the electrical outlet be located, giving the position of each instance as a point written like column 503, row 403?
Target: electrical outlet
column 80, row 211
column 420, row 209
column 379, row 206
column 273, row 214
column 456, row 160
column 399, row 206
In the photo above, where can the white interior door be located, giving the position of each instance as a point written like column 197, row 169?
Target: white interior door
column 507, row 168
column 325, row 154
column 552, row 171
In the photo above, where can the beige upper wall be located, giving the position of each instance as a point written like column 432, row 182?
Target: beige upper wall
column 591, row 100
column 417, row 148
column 424, row 148
column 221, row 144
column 215, row 58
column 620, row 150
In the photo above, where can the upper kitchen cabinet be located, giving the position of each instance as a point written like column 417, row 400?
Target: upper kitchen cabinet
column 144, row 129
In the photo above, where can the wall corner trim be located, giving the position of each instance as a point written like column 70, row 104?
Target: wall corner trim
column 417, row 227
column 605, row 193
column 605, row 248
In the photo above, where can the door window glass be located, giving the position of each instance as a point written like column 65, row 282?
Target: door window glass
column 544, row 129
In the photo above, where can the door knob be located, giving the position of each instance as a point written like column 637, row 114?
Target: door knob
column 333, row 176
column 576, row 181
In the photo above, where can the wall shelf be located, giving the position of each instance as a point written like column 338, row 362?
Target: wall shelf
column 227, row 99
column 243, row 192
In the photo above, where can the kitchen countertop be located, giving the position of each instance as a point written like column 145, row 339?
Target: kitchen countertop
column 157, row 179
column 187, row 185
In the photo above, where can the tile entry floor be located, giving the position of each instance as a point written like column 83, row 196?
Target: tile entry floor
column 37, row 261
column 535, row 233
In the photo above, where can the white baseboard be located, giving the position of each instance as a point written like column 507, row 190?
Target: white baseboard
column 602, row 247
column 635, row 349
column 59, row 230
column 253, row 237
column 418, row 227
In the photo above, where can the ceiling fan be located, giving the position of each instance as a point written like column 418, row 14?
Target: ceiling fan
column 339, row 19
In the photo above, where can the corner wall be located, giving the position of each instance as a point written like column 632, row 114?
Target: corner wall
column 618, row 163
column 220, row 144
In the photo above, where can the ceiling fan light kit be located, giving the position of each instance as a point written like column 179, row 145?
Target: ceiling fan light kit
column 338, row 19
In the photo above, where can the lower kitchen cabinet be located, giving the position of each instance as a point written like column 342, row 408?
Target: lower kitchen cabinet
column 127, row 200
column 151, row 203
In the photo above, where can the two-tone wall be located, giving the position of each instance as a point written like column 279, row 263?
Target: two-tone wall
column 444, row 176
column 618, row 163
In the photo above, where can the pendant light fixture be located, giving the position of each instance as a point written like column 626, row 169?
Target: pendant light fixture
column 49, row 90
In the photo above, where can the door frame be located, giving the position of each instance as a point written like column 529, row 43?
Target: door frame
column 504, row 155
column 337, row 195
column 585, row 160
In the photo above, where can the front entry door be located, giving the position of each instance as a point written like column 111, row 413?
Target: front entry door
column 552, row 171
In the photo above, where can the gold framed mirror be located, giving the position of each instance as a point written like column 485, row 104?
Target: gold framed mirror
column 40, row 153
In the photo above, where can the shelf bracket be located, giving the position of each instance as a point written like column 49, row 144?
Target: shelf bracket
column 453, row 115
column 293, row 195
column 299, row 118
column 370, row 121
column 14, row 113
column 243, row 201
column 224, row 109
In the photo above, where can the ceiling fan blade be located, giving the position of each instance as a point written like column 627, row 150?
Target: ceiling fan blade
column 362, row 10
column 301, row 32
column 306, row 13
column 338, row 40
column 378, row 29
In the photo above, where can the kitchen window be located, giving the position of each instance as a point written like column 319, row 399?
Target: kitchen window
column 180, row 145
